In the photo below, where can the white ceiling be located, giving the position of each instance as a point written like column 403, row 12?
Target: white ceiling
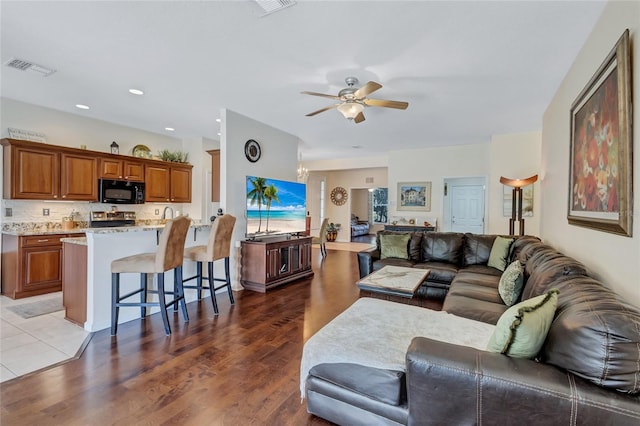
column 467, row 69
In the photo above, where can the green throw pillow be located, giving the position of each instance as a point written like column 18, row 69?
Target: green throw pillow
column 511, row 282
column 499, row 253
column 394, row 246
column 522, row 329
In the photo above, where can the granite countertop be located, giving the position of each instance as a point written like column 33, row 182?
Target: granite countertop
column 47, row 228
column 81, row 241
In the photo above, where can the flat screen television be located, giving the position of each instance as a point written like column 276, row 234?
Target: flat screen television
column 274, row 207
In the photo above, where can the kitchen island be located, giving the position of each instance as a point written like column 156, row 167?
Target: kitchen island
column 107, row 244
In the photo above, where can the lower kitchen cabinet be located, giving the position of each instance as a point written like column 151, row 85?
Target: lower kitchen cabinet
column 74, row 283
column 31, row 264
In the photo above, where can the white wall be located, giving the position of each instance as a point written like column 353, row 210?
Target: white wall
column 615, row 259
column 278, row 161
column 513, row 156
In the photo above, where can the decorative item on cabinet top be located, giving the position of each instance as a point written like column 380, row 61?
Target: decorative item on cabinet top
column 173, row 157
column 115, row 148
column 141, row 151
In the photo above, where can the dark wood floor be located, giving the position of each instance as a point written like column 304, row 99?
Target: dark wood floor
column 241, row 367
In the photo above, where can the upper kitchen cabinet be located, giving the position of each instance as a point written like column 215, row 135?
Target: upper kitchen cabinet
column 168, row 183
column 31, row 172
column 36, row 171
column 78, row 177
column 114, row 168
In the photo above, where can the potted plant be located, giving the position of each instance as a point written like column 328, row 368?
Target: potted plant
column 332, row 231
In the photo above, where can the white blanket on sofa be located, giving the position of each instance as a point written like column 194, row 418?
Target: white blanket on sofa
column 377, row 333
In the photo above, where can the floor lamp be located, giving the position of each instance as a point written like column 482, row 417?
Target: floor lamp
column 516, row 194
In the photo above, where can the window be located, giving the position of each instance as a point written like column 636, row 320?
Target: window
column 378, row 200
column 322, row 189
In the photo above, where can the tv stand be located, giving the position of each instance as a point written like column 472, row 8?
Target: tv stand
column 272, row 262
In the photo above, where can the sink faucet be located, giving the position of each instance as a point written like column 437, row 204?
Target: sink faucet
column 164, row 212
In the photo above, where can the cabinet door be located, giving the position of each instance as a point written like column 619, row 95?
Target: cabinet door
column 110, row 168
column 42, row 267
column 157, row 183
column 79, row 177
column 180, row 185
column 273, row 264
column 133, row 170
column 35, row 173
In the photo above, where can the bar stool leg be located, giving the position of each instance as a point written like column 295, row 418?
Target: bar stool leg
column 228, row 280
column 180, row 290
column 199, row 279
column 212, row 287
column 175, row 289
column 143, row 294
column 163, row 303
column 115, row 298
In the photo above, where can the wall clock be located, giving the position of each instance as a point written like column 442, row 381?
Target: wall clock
column 338, row 195
column 252, row 150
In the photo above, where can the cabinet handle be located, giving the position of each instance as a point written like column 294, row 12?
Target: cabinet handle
column 55, row 196
column 119, row 177
column 42, row 241
column 64, row 196
column 173, row 199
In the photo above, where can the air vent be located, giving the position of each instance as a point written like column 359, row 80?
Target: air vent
column 270, row 6
column 368, row 180
column 23, row 65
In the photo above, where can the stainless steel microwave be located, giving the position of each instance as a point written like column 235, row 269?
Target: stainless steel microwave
column 120, row 191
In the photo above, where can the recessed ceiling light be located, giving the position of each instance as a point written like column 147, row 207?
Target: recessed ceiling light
column 356, row 146
column 217, row 120
column 219, row 133
column 82, row 106
column 136, row 92
column 171, row 129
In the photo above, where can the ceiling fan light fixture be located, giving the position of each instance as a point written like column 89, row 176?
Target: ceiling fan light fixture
column 350, row 109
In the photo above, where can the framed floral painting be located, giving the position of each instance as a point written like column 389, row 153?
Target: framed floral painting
column 601, row 167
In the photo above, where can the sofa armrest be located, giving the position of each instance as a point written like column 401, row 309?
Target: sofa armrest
column 366, row 259
column 451, row 384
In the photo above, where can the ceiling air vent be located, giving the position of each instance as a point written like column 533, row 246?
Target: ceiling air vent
column 22, row 65
column 270, row 6
column 368, row 180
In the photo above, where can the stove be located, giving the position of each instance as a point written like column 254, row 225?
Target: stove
column 112, row 219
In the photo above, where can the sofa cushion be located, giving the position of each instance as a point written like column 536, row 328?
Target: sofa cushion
column 544, row 267
column 595, row 335
column 511, row 282
column 500, row 253
column 476, row 290
column 379, row 264
column 394, row 246
column 482, row 269
column 477, row 248
column 467, row 307
column 439, row 271
column 387, row 386
column 446, row 247
column 522, row 329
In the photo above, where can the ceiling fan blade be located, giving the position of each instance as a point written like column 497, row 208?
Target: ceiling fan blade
column 311, row 114
column 321, row 94
column 359, row 118
column 368, row 88
column 386, row 104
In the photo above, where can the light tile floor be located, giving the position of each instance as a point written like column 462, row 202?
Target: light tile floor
column 28, row 345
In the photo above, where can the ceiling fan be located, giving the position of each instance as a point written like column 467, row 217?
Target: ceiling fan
column 353, row 100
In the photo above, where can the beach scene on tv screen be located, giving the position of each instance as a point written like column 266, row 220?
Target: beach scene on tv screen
column 275, row 206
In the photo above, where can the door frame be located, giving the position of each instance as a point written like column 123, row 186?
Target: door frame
column 446, row 199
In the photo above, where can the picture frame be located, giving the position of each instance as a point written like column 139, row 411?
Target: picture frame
column 601, row 157
column 414, row 196
column 527, row 201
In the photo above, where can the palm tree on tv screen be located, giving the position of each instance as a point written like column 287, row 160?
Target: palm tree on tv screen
column 256, row 195
column 270, row 195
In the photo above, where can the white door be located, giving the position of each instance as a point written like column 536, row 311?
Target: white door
column 467, row 208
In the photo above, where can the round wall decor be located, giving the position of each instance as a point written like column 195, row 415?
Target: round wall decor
column 252, row 150
column 338, row 195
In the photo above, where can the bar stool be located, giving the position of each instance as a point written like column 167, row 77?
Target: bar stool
column 218, row 247
column 168, row 256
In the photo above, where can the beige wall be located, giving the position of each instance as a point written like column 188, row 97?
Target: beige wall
column 615, row 259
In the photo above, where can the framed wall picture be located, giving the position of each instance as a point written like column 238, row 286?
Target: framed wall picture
column 414, row 196
column 601, row 160
column 527, row 201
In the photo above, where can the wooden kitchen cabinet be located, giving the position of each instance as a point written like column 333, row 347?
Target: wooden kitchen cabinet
column 275, row 261
column 31, row 172
column 31, row 265
column 168, row 183
column 74, row 282
column 113, row 168
column 78, row 177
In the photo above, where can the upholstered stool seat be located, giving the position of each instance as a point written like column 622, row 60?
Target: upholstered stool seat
column 218, row 247
column 167, row 257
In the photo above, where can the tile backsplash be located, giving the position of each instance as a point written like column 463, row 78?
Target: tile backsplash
column 32, row 211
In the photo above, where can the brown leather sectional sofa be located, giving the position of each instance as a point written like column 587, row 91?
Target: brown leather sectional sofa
column 587, row 372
